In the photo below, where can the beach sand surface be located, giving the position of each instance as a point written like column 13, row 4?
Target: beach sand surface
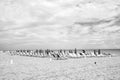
column 33, row 68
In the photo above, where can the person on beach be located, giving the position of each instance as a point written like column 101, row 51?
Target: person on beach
column 94, row 62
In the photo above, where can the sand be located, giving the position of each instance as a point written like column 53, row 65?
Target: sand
column 32, row 68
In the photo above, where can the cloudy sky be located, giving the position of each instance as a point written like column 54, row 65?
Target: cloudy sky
column 55, row 24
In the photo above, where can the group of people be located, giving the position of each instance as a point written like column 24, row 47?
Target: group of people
column 58, row 54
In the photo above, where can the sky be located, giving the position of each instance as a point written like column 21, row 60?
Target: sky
column 59, row 24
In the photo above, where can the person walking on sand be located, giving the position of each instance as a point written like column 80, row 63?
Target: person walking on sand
column 95, row 62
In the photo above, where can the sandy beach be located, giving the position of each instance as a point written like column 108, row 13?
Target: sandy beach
column 32, row 68
column 59, row 39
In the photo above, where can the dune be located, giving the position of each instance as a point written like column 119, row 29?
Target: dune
column 34, row 68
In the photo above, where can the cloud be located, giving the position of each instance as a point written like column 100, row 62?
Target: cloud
column 59, row 24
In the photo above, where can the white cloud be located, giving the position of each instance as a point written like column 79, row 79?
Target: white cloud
column 43, row 23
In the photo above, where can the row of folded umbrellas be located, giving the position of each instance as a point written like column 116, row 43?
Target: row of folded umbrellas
column 60, row 55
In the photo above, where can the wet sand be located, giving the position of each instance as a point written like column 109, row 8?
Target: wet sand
column 32, row 68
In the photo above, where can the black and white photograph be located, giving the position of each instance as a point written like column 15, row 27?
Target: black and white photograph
column 59, row 39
